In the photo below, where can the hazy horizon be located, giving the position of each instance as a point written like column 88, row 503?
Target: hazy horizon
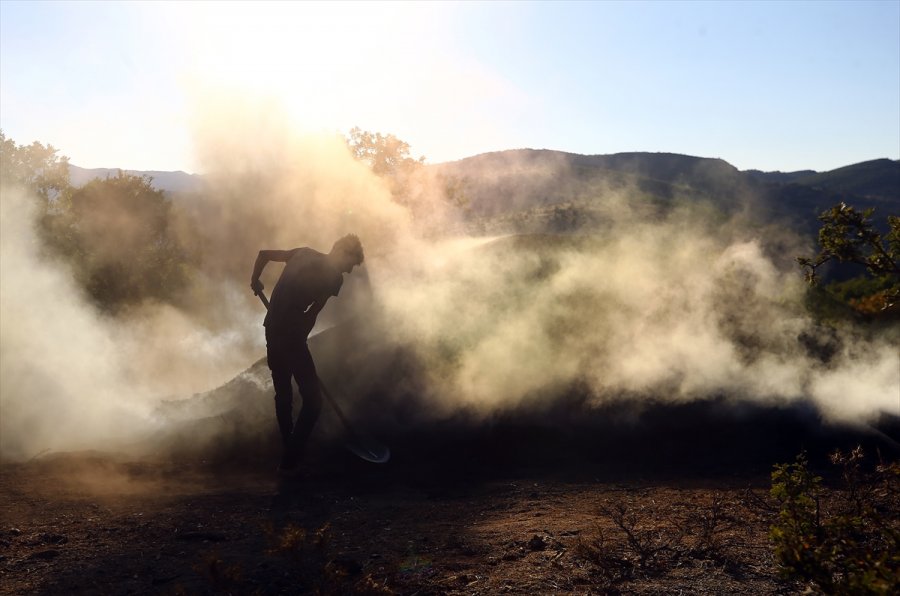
column 489, row 152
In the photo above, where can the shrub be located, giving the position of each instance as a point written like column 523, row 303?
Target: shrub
column 846, row 544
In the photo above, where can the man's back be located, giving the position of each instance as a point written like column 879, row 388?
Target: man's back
column 307, row 276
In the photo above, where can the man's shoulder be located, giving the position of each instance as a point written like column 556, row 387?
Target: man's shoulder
column 311, row 262
column 305, row 254
column 302, row 251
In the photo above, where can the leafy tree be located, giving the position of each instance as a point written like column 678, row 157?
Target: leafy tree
column 122, row 245
column 389, row 158
column 115, row 233
column 386, row 154
column 37, row 167
column 848, row 236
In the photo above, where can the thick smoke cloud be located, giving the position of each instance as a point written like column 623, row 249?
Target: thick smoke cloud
column 669, row 310
column 77, row 378
column 72, row 377
column 290, row 187
column 675, row 307
column 63, row 378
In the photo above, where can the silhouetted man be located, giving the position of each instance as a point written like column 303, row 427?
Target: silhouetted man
column 308, row 280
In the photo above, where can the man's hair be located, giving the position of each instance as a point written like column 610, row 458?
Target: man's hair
column 351, row 246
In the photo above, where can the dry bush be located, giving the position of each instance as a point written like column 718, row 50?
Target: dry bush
column 646, row 541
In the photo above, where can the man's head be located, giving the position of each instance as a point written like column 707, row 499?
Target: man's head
column 347, row 253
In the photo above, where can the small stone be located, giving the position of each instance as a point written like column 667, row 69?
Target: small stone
column 537, row 543
column 45, row 555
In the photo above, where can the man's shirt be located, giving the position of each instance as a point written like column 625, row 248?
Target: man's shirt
column 307, row 276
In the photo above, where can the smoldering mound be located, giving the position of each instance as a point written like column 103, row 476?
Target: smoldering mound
column 234, row 425
column 414, row 385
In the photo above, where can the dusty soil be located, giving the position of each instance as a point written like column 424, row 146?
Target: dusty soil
column 97, row 523
column 678, row 503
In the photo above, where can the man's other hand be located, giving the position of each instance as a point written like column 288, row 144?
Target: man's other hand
column 257, row 286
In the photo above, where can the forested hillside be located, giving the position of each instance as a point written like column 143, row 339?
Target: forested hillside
column 553, row 191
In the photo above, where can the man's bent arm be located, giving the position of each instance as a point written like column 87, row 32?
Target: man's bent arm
column 281, row 256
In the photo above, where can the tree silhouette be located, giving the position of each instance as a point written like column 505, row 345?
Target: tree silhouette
column 847, row 235
column 37, row 167
column 386, row 154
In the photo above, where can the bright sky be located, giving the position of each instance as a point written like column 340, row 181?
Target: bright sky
column 767, row 85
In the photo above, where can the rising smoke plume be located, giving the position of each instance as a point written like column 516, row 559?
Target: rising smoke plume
column 678, row 307
column 62, row 376
column 670, row 310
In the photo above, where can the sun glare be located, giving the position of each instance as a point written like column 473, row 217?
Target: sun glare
column 329, row 67
column 325, row 63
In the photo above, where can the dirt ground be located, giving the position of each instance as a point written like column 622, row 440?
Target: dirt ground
column 678, row 503
column 98, row 523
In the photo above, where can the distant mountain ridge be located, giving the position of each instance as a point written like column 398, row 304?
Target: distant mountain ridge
column 876, row 177
column 175, row 182
column 554, row 191
column 779, row 177
column 507, row 184
column 879, row 178
column 525, row 178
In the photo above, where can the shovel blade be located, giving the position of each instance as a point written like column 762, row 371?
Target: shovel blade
column 377, row 454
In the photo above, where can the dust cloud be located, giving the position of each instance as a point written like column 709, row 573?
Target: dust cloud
column 63, row 378
column 664, row 311
column 76, row 378
column 677, row 307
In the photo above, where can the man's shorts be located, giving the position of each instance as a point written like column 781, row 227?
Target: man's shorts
column 289, row 353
